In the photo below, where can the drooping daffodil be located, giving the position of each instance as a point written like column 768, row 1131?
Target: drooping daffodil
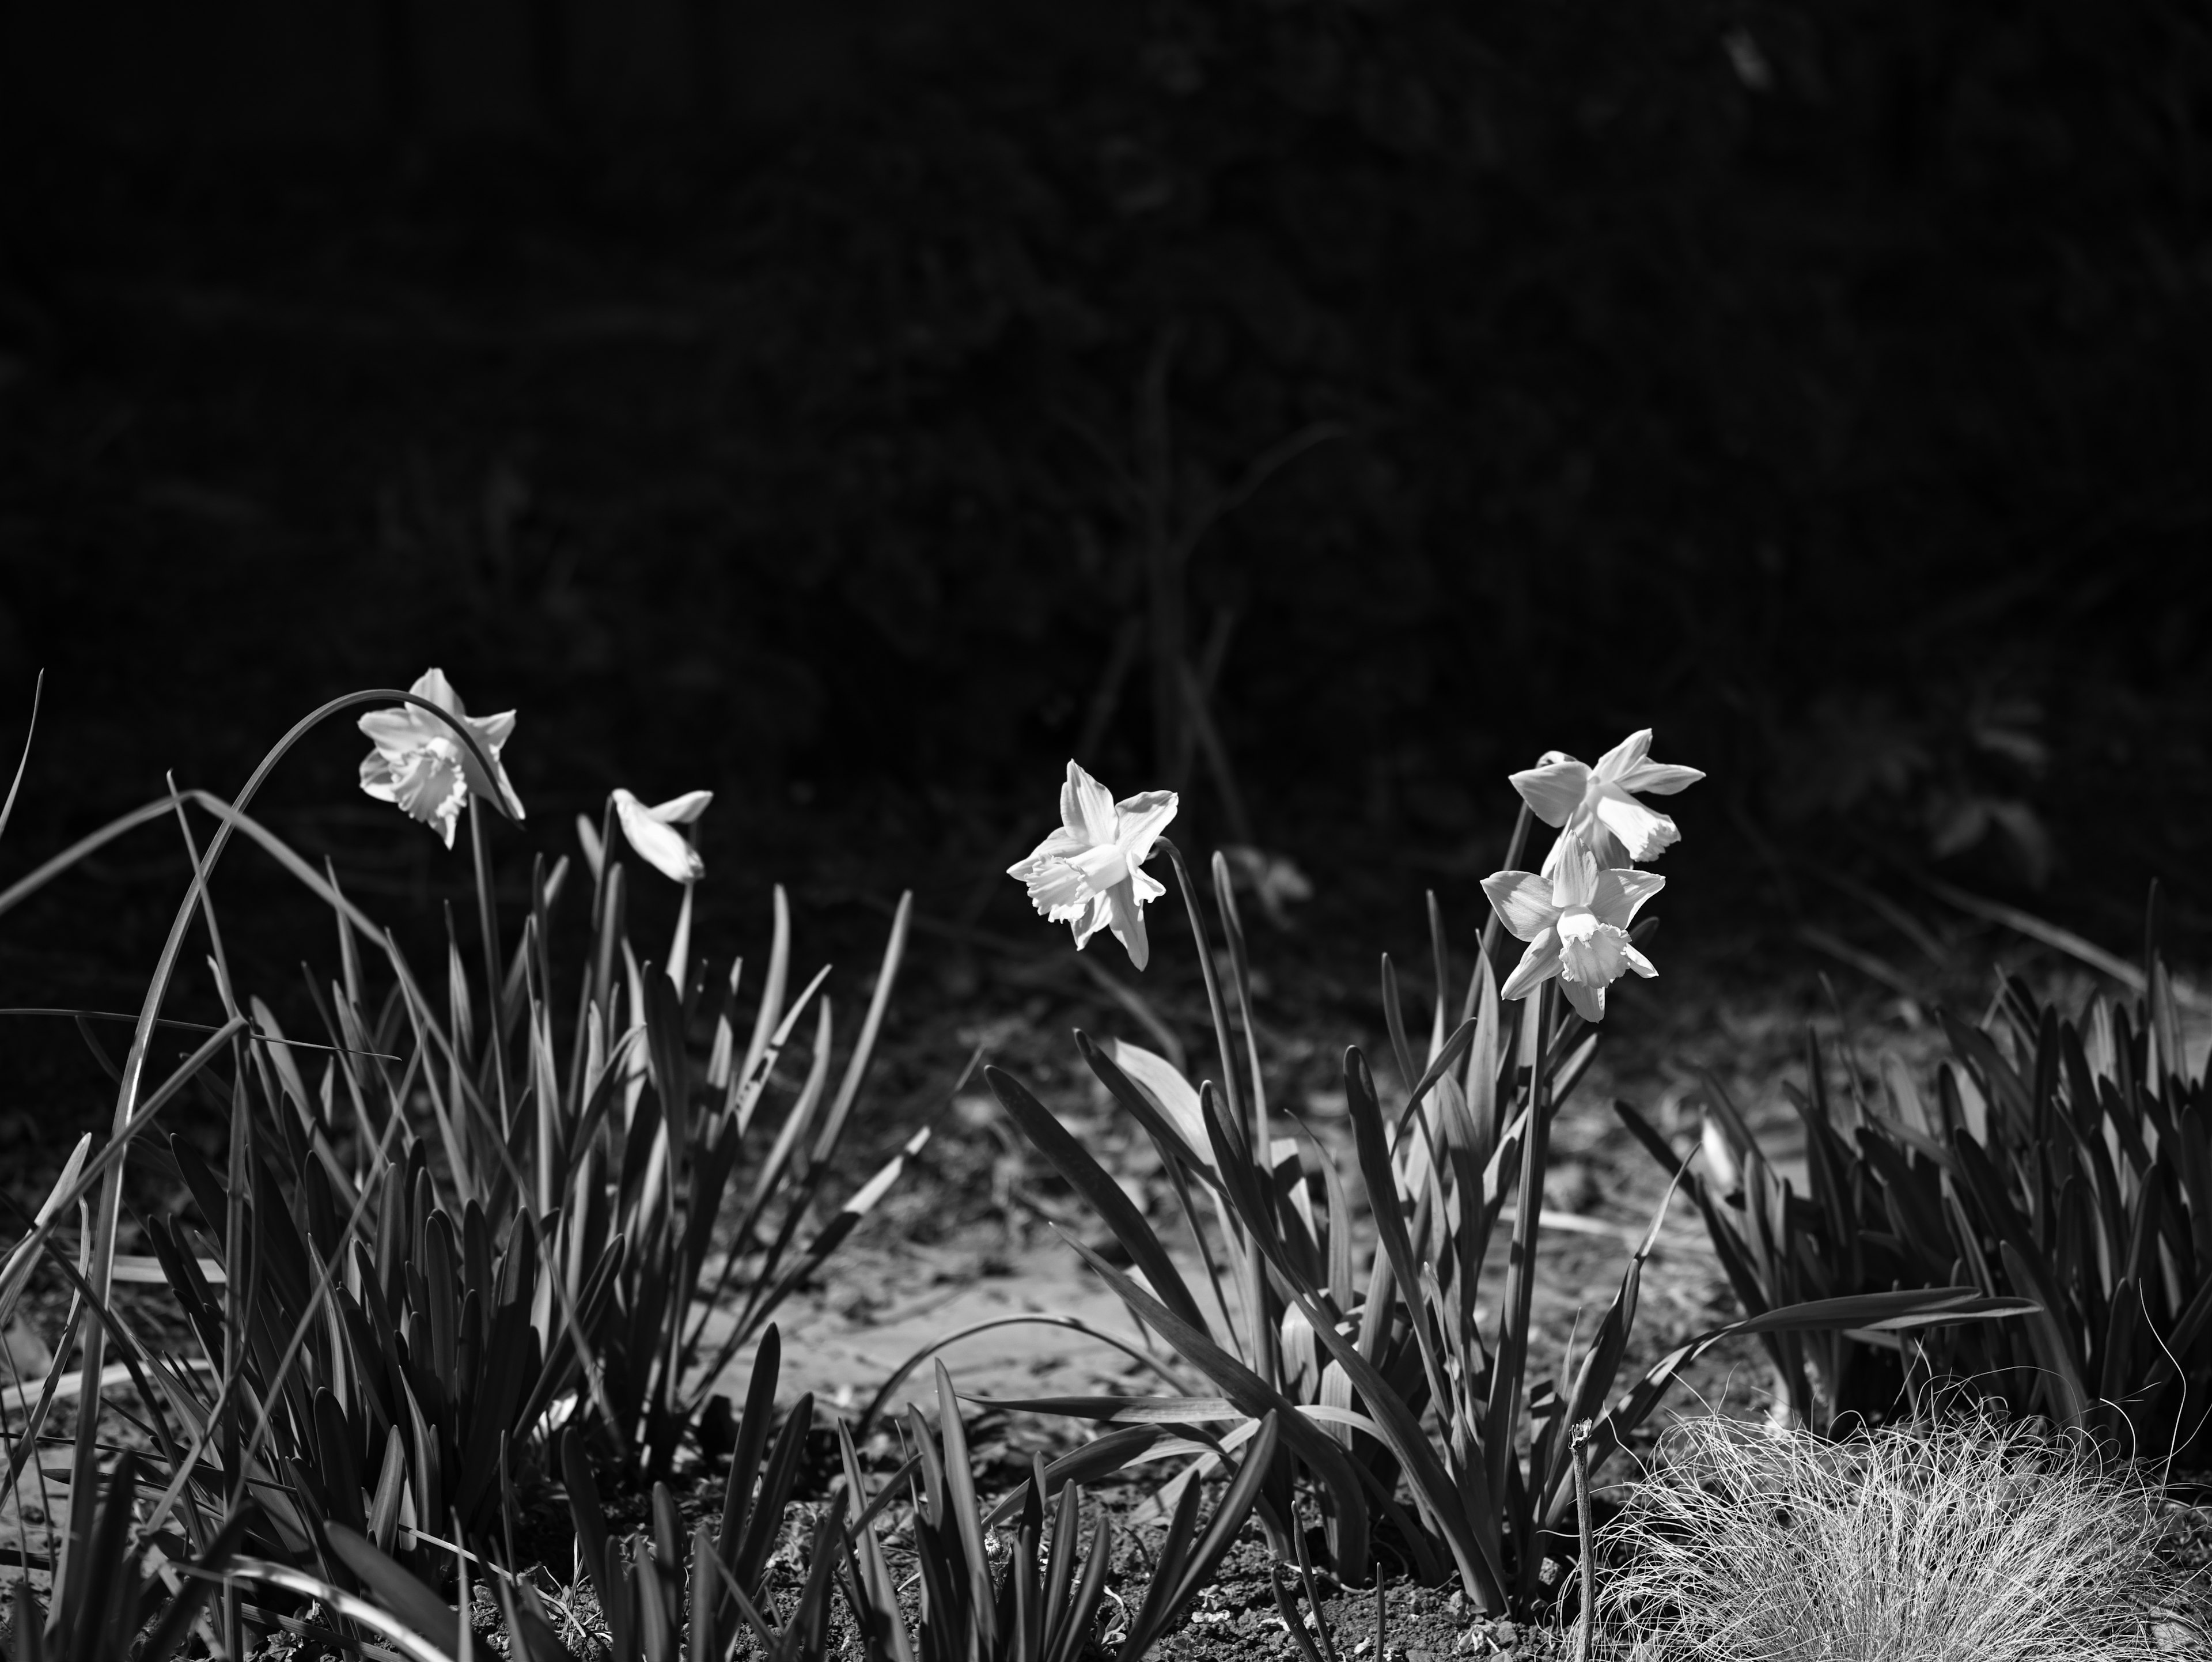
column 420, row 766
column 1596, row 806
column 652, row 832
column 1087, row 872
column 1576, row 922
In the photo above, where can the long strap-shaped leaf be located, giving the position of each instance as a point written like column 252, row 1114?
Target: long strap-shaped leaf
column 1090, row 1179
column 1254, row 1395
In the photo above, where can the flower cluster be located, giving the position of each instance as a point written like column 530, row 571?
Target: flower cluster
column 1576, row 913
column 421, row 765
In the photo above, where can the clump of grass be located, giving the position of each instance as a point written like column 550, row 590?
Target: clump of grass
column 1971, row 1542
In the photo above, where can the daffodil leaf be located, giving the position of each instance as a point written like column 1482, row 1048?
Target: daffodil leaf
column 1105, row 1196
column 1255, row 1396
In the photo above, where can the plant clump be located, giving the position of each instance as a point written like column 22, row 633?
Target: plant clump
column 1969, row 1541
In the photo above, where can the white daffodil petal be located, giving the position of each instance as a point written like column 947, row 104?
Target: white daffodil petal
column 682, row 810
column 1148, row 887
column 396, row 731
column 1538, row 965
column 432, row 684
column 1637, row 961
column 1098, row 912
column 1659, row 778
column 662, row 846
column 1642, row 832
column 1622, row 891
column 1574, row 875
column 492, row 732
column 1128, row 923
column 1086, row 806
column 376, row 776
column 1554, row 790
column 1588, row 1000
column 1628, row 753
column 1140, row 819
column 1523, row 901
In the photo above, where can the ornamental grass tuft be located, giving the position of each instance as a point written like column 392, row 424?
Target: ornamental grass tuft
column 1971, row 1542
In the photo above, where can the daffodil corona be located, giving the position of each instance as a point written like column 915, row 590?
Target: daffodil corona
column 1086, row 874
column 421, row 767
column 1576, row 922
column 1597, row 806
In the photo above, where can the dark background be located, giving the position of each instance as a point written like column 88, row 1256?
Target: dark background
column 817, row 404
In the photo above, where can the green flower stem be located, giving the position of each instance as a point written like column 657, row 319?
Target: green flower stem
column 495, row 984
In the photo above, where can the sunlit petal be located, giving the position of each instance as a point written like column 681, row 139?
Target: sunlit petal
column 491, row 733
column 396, row 732
column 1588, row 1000
column 660, row 846
column 1628, row 753
column 1574, row 874
column 682, row 810
column 1523, row 901
column 1554, row 790
column 432, row 684
column 1098, row 912
column 1637, row 961
column 1140, row 820
column 1128, row 923
column 1621, row 892
column 1659, row 778
column 1093, row 803
column 1538, row 965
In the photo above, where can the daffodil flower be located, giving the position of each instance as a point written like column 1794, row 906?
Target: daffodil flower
column 1086, row 874
column 419, row 765
column 652, row 832
column 1597, row 806
column 1576, row 922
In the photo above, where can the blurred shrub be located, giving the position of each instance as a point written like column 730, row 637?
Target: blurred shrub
column 1751, row 360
